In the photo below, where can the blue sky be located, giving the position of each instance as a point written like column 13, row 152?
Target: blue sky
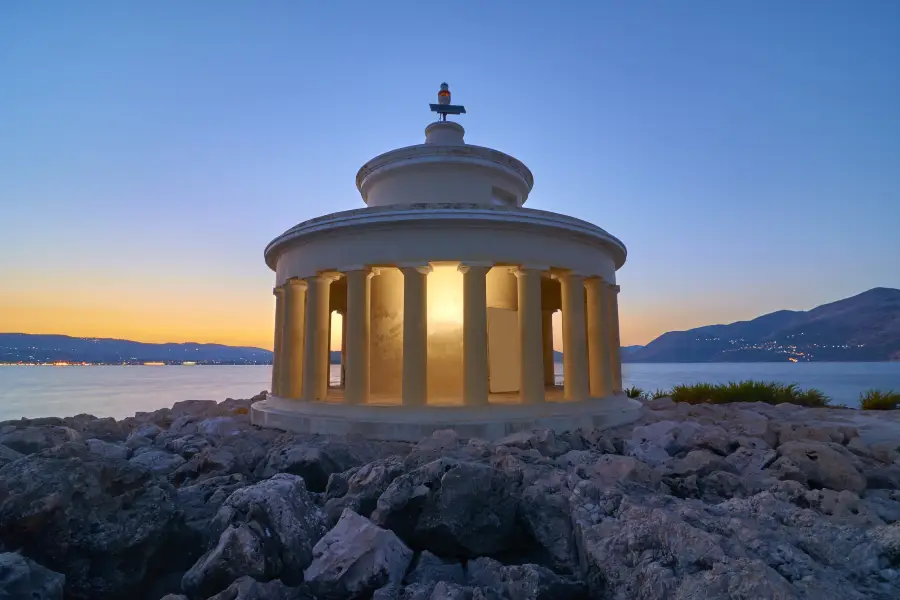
column 747, row 153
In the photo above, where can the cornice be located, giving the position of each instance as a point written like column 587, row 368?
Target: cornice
column 431, row 214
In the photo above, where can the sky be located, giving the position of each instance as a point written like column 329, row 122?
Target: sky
column 747, row 153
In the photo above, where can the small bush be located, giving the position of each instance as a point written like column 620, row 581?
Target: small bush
column 878, row 400
column 634, row 392
column 769, row 392
column 659, row 394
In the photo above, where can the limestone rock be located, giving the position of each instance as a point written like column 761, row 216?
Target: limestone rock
column 23, row 579
column 356, row 558
column 524, row 582
column 107, row 449
column 313, row 462
column 430, row 568
column 64, row 504
column 544, row 441
column 664, row 403
column 741, row 579
column 543, row 512
column 700, row 463
column 824, row 465
column 451, row 508
column 611, row 469
column 200, row 502
column 363, row 488
column 158, row 461
column 266, row 530
column 7, row 455
column 31, row 439
column 247, row 588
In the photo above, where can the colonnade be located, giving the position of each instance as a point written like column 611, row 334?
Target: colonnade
column 590, row 324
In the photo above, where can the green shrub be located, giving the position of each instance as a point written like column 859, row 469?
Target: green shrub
column 634, row 392
column 878, row 400
column 659, row 394
column 769, row 392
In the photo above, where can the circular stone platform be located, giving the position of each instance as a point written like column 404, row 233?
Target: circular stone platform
column 399, row 423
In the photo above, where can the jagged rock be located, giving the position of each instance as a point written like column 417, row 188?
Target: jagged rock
column 824, row 465
column 356, row 558
column 266, row 530
column 23, row 579
column 886, row 452
column 664, row 403
column 738, row 579
column 186, row 446
column 445, row 590
column 232, row 455
column 542, row 440
column 430, row 568
column 676, row 437
column 887, row 538
column 543, row 511
column 612, row 469
column 700, row 463
column 644, row 548
column 7, row 455
column 31, row 439
column 101, row 522
column 247, row 588
column 748, row 460
column 107, row 449
column 106, row 429
column 451, row 508
column 157, row 461
column 200, row 502
column 315, row 463
column 523, row 582
column 647, row 452
column 174, row 597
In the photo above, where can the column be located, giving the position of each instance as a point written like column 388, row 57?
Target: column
column 277, row 352
column 599, row 362
column 343, row 382
column 356, row 387
column 575, row 369
column 531, row 382
column 291, row 364
column 415, row 335
column 614, row 340
column 547, row 343
column 316, row 347
column 475, row 353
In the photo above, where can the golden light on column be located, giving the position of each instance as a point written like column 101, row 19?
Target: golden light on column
column 445, row 322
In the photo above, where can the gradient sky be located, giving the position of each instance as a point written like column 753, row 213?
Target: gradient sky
column 747, row 153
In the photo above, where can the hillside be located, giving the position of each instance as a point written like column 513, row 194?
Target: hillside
column 865, row 327
column 37, row 348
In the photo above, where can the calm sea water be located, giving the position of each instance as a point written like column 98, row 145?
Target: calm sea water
column 121, row 391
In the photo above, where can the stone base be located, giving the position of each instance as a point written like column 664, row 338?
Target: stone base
column 412, row 424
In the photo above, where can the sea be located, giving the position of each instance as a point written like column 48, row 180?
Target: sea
column 120, row 391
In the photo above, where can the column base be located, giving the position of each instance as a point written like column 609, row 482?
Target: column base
column 411, row 424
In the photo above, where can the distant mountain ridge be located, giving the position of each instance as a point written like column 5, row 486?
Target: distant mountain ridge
column 41, row 348
column 865, row 327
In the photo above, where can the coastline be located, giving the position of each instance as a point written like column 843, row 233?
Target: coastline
column 193, row 502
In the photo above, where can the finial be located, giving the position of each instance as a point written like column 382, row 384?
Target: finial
column 443, row 107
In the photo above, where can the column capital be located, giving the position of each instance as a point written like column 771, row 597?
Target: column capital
column 423, row 268
column 369, row 271
column 278, row 290
column 615, row 288
column 465, row 267
column 295, row 283
column 524, row 269
column 325, row 276
column 561, row 274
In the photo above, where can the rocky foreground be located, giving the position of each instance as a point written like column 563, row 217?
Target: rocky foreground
column 738, row 501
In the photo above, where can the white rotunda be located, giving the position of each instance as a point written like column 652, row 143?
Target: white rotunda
column 445, row 287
